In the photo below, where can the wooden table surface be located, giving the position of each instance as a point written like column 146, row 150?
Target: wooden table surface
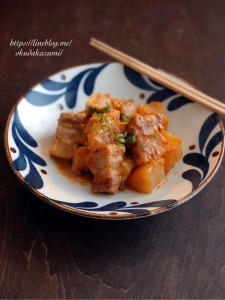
column 47, row 253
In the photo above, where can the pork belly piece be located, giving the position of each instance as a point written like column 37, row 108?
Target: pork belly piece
column 127, row 108
column 79, row 166
column 150, row 143
column 154, row 107
column 68, row 134
column 106, row 164
column 98, row 102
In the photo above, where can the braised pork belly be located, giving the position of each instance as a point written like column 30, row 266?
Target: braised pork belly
column 121, row 145
column 68, row 134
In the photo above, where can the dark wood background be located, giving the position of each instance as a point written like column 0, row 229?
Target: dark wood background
column 46, row 253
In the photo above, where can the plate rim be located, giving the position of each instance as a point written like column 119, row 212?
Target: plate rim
column 98, row 215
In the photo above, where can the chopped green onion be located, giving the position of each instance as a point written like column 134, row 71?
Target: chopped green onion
column 154, row 135
column 107, row 108
column 109, row 121
column 93, row 126
column 100, row 131
column 121, row 145
column 123, row 138
column 143, row 145
column 100, row 117
column 124, row 119
column 131, row 139
column 120, row 137
column 105, row 128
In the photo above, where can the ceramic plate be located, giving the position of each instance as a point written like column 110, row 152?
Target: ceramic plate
column 32, row 124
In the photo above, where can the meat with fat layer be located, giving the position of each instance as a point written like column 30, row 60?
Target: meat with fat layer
column 150, row 143
column 126, row 108
column 68, row 134
column 106, row 164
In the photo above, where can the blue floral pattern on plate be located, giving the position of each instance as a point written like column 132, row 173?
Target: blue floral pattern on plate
column 41, row 99
column 29, row 139
column 26, row 156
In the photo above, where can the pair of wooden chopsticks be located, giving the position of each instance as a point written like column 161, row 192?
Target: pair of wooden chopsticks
column 163, row 79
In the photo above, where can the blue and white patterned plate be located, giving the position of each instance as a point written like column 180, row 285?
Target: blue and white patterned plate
column 32, row 124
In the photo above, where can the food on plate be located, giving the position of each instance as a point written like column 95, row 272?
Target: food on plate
column 122, row 146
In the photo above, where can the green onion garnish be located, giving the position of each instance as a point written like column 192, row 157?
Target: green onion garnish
column 109, row 121
column 119, row 137
column 124, row 119
column 107, row 108
column 131, row 139
column 121, row 145
column 100, row 117
column 143, row 145
column 93, row 126
column 123, row 138
column 105, row 128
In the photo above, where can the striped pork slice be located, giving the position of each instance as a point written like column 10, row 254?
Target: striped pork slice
column 101, row 102
column 106, row 164
column 68, row 134
column 150, row 143
column 126, row 108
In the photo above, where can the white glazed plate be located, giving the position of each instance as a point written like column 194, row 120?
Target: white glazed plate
column 31, row 128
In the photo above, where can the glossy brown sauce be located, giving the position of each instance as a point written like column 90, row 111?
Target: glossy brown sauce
column 64, row 167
